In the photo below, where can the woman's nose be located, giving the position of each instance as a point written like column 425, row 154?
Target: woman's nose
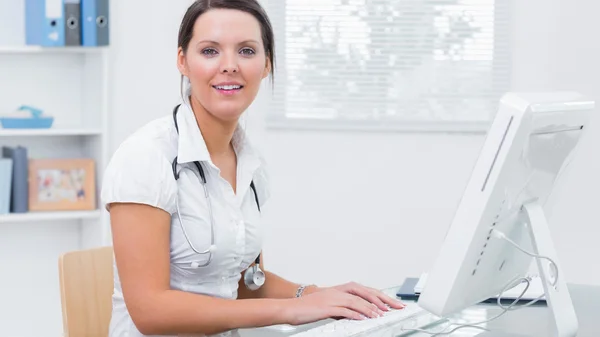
column 229, row 64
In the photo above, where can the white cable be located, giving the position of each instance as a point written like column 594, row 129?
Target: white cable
column 476, row 325
column 500, row 235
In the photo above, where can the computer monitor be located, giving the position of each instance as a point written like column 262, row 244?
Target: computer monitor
column 529, row 145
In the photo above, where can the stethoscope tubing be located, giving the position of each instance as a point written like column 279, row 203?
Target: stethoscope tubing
column 212, row 247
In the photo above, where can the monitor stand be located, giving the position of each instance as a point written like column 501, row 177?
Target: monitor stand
column 557, row 297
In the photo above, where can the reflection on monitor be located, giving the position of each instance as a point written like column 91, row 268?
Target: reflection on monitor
column 501, row 216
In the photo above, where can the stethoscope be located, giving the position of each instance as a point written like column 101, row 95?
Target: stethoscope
column 254, row 277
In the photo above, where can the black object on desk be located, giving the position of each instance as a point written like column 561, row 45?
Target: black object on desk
column 407, row 289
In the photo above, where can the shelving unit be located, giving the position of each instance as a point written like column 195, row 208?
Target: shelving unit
column 47, row 50
column 70, row 84
column 31, row 217
column 49, row 132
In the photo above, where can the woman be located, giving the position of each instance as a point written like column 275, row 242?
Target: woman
column 185, row 193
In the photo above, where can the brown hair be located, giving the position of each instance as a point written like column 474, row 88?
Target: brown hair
column 200, row 7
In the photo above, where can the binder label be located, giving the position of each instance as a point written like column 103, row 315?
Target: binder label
column 54, row 9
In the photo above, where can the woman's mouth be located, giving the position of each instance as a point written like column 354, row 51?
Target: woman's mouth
column 230, row 89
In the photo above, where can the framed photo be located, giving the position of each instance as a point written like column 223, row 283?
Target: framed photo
column 62, row 184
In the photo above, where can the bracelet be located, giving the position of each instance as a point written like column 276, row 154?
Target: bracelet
column 300, row 290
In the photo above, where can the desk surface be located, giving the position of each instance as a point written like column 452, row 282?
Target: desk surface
column 529, row 321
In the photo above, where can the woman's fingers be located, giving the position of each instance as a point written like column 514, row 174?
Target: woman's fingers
column 357, row 302
column 387, row 300
column 370, row 296
column 362, row 306
column 378, row 298
column 341, row 312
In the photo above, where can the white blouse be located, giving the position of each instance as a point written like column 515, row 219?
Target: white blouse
column 140, row 171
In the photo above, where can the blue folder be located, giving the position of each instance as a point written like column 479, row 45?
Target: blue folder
column 45, row 23
column 95, row 25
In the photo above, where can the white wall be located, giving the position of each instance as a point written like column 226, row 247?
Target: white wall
column 375, row 211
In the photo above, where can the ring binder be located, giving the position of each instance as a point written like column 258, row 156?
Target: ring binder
column 44, row 23
column 95, row 22
column 72, row 22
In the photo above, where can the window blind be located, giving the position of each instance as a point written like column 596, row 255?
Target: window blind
column 385, row 61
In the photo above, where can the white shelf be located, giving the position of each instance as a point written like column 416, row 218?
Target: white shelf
column 42, row 50
column 49, row 216
column 71, row 82
column 49, row 132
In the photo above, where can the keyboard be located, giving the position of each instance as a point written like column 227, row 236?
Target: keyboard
column 411, row 317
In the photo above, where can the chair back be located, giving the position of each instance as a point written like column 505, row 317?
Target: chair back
column 86, row 288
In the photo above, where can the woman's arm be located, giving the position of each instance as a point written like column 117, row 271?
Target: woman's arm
column 280, row 288
column 141, row 247
column 274, row 287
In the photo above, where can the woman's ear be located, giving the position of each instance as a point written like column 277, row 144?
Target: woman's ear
column 181, row 64
column 267, row 68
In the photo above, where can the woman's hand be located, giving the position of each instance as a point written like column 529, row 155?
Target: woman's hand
column 381, row 300
column 350, row 300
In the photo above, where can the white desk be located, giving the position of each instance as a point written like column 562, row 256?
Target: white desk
column 534, row 321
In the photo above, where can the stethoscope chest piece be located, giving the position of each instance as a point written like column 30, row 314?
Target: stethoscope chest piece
column 254, row 277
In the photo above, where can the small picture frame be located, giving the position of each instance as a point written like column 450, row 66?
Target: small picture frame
column 62, row 184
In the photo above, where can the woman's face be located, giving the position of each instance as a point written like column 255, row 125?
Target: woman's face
column 225, row 62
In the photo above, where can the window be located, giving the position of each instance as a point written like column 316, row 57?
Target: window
column 389, row 63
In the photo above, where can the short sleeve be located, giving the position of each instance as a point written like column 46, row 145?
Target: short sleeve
column 140, row 174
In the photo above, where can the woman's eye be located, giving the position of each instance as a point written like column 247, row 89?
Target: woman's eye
column 247, row 51
column 209, row 51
